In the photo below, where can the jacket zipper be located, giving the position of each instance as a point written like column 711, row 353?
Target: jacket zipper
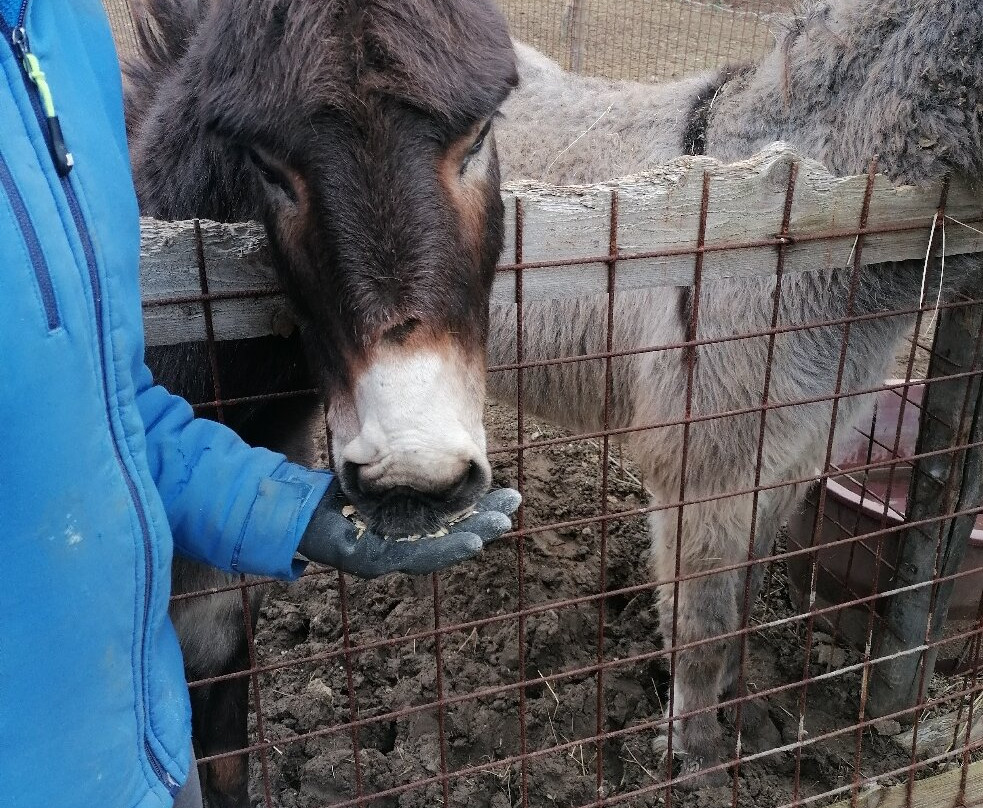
column 30, row 235
column 63, row 161
column 32, row 69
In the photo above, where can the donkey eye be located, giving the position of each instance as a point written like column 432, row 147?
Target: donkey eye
column 271, row 174
column 478, row 144
column 480, row 140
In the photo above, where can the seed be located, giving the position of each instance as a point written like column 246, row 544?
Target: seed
column 351, row 514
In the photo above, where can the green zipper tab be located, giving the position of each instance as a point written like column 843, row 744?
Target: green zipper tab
column 32, row 67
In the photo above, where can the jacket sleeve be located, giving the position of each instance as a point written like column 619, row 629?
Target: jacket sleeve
column 232, row 506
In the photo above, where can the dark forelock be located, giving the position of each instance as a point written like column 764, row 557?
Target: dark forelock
column 451, row 59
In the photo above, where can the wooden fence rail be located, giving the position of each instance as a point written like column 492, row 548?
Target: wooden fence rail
column 658, row 212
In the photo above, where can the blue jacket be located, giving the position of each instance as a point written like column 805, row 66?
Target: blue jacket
column 102, row 473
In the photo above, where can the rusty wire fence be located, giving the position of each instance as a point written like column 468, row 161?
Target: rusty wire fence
column 643, row 40
column 647, row 40
column 536, row 677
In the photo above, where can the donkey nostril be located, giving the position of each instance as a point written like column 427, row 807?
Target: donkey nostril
column 351, row 481
column 473, row 479
column 476, row 475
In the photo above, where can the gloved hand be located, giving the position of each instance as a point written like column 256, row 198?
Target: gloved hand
column 332, row 539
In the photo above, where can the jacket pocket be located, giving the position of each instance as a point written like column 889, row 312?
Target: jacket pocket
column 39, row 264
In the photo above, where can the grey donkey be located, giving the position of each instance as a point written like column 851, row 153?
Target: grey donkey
column 847, row 80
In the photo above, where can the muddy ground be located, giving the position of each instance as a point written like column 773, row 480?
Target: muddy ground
column 562, row 483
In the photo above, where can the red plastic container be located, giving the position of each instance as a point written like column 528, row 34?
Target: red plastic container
column 855, row 506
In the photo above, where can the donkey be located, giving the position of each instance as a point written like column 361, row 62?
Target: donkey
column 848, row 79
column 360, row 133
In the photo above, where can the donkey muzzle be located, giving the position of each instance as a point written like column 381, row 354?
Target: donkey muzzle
column 418, row 455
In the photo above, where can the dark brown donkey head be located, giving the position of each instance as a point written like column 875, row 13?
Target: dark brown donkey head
column 361, row 134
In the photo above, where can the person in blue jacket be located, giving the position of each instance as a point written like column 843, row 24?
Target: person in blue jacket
column 102, row 473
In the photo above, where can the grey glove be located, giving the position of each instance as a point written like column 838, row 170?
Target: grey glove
column 332, row 539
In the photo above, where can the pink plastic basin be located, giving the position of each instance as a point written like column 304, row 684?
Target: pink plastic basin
column 855, row 506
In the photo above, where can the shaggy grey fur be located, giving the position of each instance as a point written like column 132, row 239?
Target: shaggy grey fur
column 849, row 79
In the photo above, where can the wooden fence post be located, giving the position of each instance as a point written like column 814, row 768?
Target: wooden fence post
column 576, row 16
column 949, row 482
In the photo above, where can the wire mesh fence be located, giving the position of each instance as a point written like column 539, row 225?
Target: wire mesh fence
column 535, row 676
column 542, row 675
column 643, row 40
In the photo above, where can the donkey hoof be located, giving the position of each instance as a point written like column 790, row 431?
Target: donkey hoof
column 689, row 767
column 696, row 778
column 759, row 733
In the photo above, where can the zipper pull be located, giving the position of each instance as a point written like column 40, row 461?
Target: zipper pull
column 32, row 67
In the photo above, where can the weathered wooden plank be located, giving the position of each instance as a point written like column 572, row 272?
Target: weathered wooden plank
column 940, row 791
column 658, row 212
column 236, row 258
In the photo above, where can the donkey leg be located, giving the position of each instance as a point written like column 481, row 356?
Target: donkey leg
column 219, row 716
column 732, row 667
column 213, row 639
column 758, row 732
column 695, row 611
column 774, row 506
column 704, row 612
